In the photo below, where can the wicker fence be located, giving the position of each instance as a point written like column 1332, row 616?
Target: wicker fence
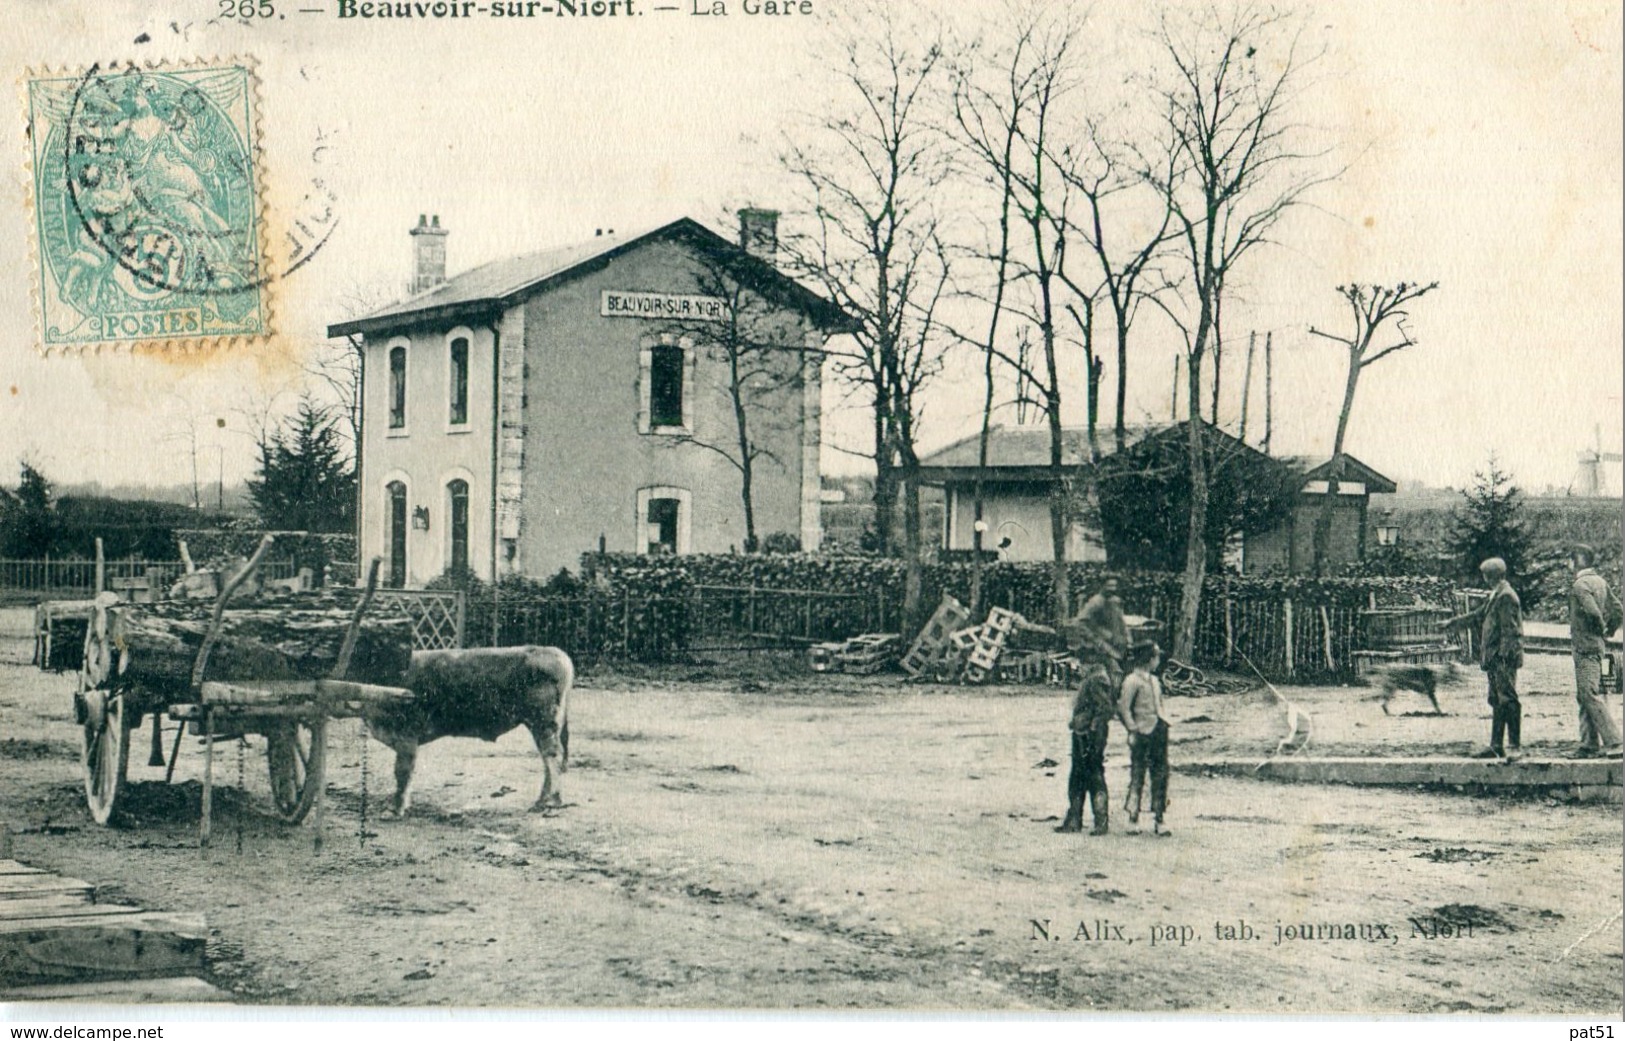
column 1287, row 640
column 707, row 619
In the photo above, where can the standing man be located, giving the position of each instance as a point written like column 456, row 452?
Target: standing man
column 1594, row 613
column 1092, row 712
column 1500, row 655
column 1101, row 632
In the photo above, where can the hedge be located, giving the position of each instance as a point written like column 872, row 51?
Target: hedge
column 1024, row 587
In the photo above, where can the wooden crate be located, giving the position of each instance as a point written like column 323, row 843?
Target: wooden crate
column 869, row 653
column 932, row 641
column 1393, row 628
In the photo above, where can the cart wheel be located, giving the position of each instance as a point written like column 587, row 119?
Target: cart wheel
column 97, row 663
column 105, row 754
column 297, row 755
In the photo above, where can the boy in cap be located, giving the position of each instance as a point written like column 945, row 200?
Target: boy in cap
column 1091, row 716
column 1500, row 654
column 1140, row 708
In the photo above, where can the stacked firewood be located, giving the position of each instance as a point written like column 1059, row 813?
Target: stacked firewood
column 298, row 639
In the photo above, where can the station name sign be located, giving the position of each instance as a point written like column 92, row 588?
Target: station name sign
column 675, row 307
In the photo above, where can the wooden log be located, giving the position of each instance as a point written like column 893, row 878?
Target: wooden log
column 94, row 947
column 160, row 643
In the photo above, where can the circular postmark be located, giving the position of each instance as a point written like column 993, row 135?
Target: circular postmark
column 157, row 174
column 149, row 215
column 150, row 210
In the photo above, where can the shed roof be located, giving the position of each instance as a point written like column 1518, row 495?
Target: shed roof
column 1023, row 453
column 1022, row 448
column 1353, row 470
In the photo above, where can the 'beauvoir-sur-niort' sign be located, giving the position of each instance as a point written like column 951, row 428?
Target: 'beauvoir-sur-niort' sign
column 673, row 306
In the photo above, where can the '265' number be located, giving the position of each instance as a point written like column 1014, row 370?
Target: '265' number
column 247, row 9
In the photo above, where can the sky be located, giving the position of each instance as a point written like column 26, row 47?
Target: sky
column 1482, row 146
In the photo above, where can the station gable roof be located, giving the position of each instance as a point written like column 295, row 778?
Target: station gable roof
column 491, row 288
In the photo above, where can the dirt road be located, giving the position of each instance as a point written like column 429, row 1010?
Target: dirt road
column 785, row 844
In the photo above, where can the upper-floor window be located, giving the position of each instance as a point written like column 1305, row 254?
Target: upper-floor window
column 397, row 388
column 459, row 380
column 666, row 386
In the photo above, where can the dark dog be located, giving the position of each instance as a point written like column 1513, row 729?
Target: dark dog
column 1419, row 679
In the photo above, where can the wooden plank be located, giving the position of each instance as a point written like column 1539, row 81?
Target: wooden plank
column 170, row 990
column 60, row 907
column 297, row 693
column 348, row 690
column 13, row 867
column 23, row 887
column 99, row 947
column 271, row 692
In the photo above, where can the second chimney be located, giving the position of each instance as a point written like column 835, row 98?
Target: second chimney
column 428, row 253
column 759, row 233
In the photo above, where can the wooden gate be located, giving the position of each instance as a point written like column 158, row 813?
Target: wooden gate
column 437, row 615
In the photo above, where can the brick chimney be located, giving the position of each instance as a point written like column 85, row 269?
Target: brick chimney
column 759, row 233
column 428, row 253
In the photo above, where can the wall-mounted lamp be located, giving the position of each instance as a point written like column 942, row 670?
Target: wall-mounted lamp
column 420, row 518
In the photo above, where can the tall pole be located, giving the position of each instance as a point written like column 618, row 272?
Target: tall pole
column 1269, row 392
column 197, row 497
column 1247, row 382
column 1173, row 399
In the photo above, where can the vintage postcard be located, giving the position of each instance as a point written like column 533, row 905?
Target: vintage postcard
column 1025, row 507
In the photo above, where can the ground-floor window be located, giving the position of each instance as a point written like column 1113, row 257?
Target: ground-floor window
column 663, row 520
column 395, row 534
column 457, row 493
column 662, row 532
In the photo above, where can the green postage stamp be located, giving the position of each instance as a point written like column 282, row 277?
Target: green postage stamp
column 146, row 201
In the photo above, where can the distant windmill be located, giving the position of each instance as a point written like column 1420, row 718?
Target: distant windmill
column 1591, row 476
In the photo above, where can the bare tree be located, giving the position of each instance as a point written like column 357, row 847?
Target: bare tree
column 1370, row 308
column 989, row 137
column 1007, row 122
column 871, row 173
column 1236, row 170
column 1104, row 175
column 334, row 366
column 751, row 357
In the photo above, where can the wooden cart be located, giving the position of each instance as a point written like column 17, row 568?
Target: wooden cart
column 292, row 714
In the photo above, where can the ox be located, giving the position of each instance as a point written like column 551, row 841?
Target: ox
column 481, row 693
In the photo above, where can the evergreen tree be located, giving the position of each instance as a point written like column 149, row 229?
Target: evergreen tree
column 26, row 522
column 305, row 480
column 1490, row 522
